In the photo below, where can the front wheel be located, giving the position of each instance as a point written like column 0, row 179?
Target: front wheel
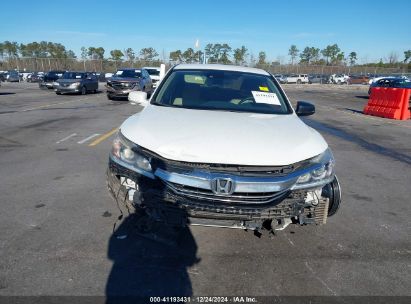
column 333, row 192
column 298, row 81
column 83, row 90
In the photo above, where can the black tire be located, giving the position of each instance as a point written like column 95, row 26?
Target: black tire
column 339, row 82
column 83, row 90
column 58, row 93
column 298, row 81
column 109, row 97
column 333, row 192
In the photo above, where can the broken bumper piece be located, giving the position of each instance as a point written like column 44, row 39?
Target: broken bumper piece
column 165, row 202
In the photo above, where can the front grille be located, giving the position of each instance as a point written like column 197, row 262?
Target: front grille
column 240, row 170
column 120, row 85
column 289, row 206
column 208, row 195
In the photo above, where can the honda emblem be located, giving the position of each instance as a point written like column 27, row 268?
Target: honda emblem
column 222, row 186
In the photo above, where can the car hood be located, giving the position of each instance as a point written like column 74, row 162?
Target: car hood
column 223, row 137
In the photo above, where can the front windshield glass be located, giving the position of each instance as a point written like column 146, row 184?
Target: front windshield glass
column 221, row 90
column 73, row 75
column 128, row 73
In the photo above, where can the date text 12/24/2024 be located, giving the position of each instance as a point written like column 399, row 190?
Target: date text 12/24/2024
column 201, row 299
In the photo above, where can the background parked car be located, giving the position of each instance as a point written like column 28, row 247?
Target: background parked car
column 390, row 82
column 24, row 75
column 126, row 80
column 3, row 76
column 50, row 78
column 36, row 77
column 339, row 78
column 297, row 78
column 358, row 79
column 318, row 78
column 76, row 82
column 281, row 78
column 154, row 73
column 13, row 76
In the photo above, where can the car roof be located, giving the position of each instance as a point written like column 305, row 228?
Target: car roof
column 148, row 67
column 220, row 67
column 129, row 69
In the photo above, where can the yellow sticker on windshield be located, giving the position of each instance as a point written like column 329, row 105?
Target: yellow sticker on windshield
column 265, row 89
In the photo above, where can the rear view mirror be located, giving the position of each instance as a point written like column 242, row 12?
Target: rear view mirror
column 138, row 97
column 304, row 108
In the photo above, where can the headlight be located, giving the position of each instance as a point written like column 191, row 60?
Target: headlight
column 75, row 84
column 55, row 83
column 319, row 173
column 128, row 154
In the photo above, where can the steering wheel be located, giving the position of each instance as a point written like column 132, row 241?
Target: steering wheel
column 249, row 99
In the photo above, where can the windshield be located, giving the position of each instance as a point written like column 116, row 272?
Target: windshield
column 403, row 83
column 73, row 75
column 221, row 90
column 153, row 72
column 128, row 73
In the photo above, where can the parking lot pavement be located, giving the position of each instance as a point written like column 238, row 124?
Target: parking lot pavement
column 57, row 217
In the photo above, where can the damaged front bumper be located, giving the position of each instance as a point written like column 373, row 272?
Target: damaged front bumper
column 165, row 199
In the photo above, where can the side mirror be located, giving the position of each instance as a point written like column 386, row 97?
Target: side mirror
column 304, row 108
column 138, row 97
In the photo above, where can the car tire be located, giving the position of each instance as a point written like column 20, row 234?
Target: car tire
column 333, row 192
column 58, row 93
column 83, row 90
column 299, row 81
column 109, row 97
column 339, row 82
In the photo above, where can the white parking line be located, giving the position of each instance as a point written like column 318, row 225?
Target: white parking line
column 65, row 138
column 88, row 138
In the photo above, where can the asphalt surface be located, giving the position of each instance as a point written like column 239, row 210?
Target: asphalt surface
column 57, row 218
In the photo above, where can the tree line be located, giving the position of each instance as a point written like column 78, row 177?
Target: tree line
column 43, row 49
column 214, row 52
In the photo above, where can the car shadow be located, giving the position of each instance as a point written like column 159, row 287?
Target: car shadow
column 149, row 261
column 363, row 96
column 7, row 93
column 353, row 110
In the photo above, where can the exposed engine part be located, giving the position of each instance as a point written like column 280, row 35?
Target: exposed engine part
column 313, row 197
column 128, row 183
column 321, row 212
column 131, row 187
column 281, row 224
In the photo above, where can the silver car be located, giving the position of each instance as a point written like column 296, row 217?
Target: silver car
column 76, row 82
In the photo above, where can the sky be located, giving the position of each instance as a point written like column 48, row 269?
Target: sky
column 372, row 29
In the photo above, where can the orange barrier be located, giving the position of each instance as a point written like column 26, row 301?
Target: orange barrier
column 390, row 103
